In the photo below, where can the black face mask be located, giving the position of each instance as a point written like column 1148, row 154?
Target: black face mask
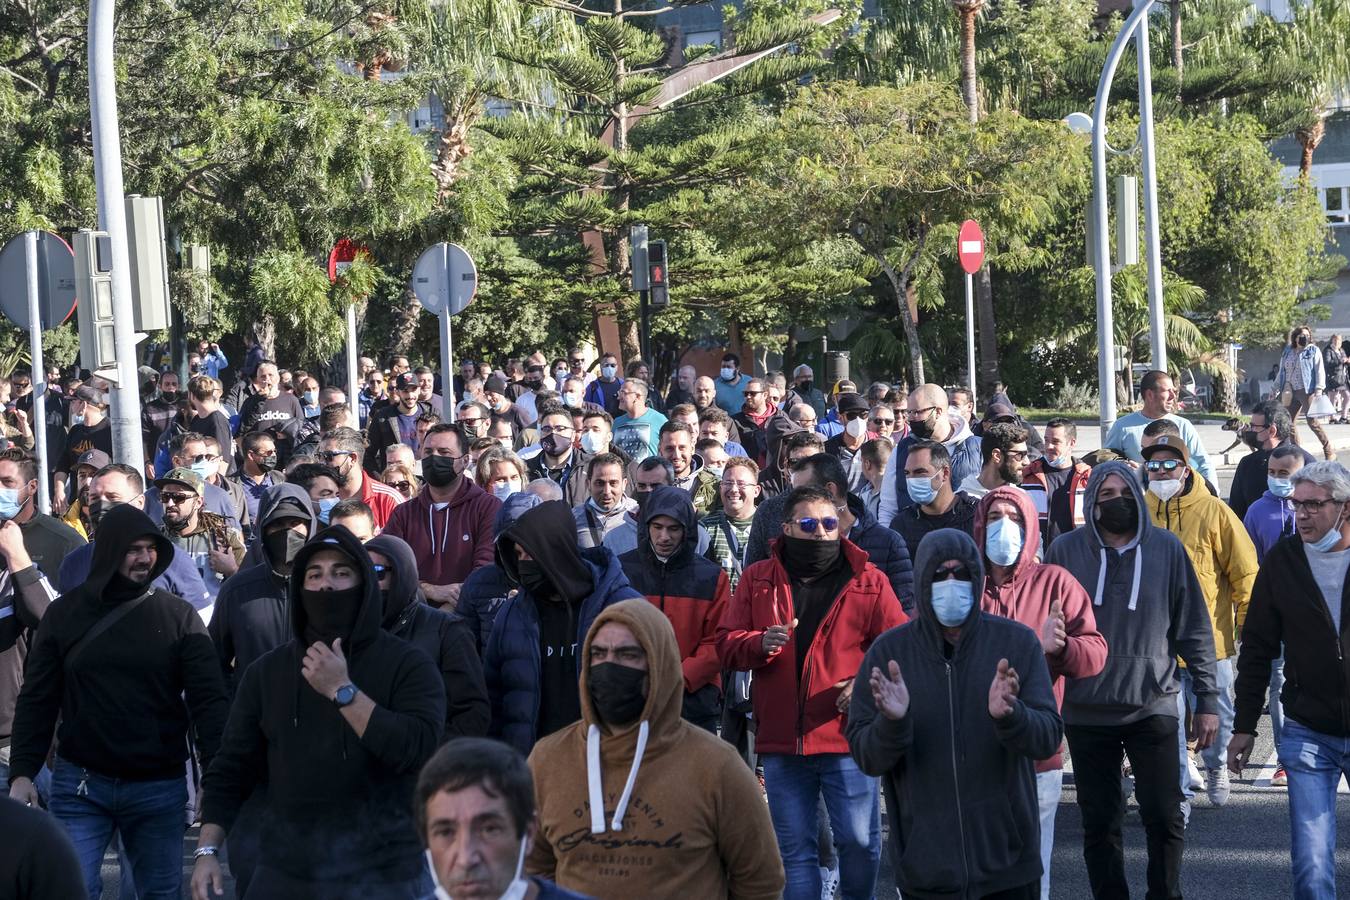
column 330, row 615
column 1303, row 340
column 1251, row 440
column 555, row 445
column 98, row 508
column 168, row 396
column 618, row 692
column 268, row 463
column 807, row 558
column 923, row 428
column 532, row 578
column 282, row 546
column 1119, row 515
column 439, row 471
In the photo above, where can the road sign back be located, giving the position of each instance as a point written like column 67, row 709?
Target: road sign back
column 445, row 278
column 56, row 281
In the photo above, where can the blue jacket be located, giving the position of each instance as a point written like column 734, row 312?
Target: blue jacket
column 511, row 660
column 886, row 550
column 487, row 588
column 181, row 578
column 1267, row 520
column 1311, row 365
column 964, row 448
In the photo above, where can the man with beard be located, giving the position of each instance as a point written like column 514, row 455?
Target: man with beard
column 214, row 547
column 92, row 431
column 449, row 523
column 128, row 670
column 114, row 485
column 395, row 422
column 338, row 719
column 259, row 471
column 342, row 448
column 444, row 638
column 1003, row 452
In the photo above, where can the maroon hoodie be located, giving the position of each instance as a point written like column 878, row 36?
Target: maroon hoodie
column 450, row 542
column 1029, row 594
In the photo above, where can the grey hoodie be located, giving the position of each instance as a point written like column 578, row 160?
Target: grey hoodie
column 948, row 754
column 1150, row 608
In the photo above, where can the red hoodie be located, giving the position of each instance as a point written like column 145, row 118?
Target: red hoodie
column 1027, row 596
column 451, row 542
column 803, row 718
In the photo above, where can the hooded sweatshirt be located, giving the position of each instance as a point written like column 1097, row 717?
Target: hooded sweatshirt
column 593, row 523
column 130, row 696
column 252, row 611
column 444, row 637
column 1150, row 608
column 1268, row 520
column 964, row 448
column 656, row 808
column 1221, row 553
column 691, row 591
column 1030, row 593
column 487, row 588
column 338, row 806
column 531, row 662
column 450, row 540
column 948, row 754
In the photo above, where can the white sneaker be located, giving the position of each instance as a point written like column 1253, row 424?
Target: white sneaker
column 1218, row 786
column 1197, row 778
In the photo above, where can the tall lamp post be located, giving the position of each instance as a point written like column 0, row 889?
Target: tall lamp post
column 1135, row 27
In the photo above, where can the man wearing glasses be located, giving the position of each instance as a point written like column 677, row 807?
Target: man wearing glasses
column 882, row 421
column 395, row 422
column 559, row 460
column 751, row 419
column 1224, row 559
column 371, row 397
column 801, row 620
column 1003, row 452
column 342, row 448
column 449, row 523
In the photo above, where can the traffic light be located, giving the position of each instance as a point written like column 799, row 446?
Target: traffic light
column 656, row 266
column 93, row 290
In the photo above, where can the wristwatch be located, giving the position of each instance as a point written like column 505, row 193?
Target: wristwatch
column 345, row 695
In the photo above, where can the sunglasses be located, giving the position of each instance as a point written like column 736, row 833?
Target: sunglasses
column 1162, row 465
column 855, row 414
column 880, row 421
column 175, row 499
column 958, row 573
column 400, row 485
column 206, row 457
column 809, row 524
column 331, row 455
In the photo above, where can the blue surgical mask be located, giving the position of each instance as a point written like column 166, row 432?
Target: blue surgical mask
column 1280, row 487
column 204, row 469
column 1331, row 538
column 1003, row 542
column 952, row 600
column 9, row 503
column 1059, row 462
column 921, row 490
column 728, row 373
column 608, row 371
column 311, row 398
column 505, row 489
column 715, row 471
column 572, row 400
column 326, row 508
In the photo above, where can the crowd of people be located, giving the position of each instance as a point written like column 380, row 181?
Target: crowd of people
column 546, row 631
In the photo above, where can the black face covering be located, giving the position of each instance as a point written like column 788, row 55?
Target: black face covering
column 439, row 471
column 1303, row 340
column 923, row 428
column 268, row 463
column 807, row 558
column 555, row 445
column 98, row 508
column 330, row 615
column 168, row 396
column 283, row 545
column 532, row 578
column 1119, row 515
column 619, row 692
column 121, row 588
column 1251, row 440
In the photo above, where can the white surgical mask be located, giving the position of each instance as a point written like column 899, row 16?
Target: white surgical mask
column 1003, row 541
column 503, row 489
column 572, row 399
column 1165, row 490
column 856, row 428
column 516, row 890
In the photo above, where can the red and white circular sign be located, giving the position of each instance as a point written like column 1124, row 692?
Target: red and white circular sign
column 970, row 246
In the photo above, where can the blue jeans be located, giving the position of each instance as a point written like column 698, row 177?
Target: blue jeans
column 793, row 784
column 1314, row 763
column 1213, row 755
column 148, row 814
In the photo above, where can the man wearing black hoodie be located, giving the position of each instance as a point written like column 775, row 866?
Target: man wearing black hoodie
column 336, row 723
column 690, row 590
column 957, row 709
column 441, row 636
column 129, row 670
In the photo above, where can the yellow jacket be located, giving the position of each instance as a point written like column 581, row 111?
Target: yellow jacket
column 1221, row 552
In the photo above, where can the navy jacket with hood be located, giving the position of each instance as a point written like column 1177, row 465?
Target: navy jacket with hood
column 511, row 662
column 487, row 588
column 1150, row 608
column 948, row 753
column 440, row 635
column 339, row 807
column 252, row 611
column 886, row 550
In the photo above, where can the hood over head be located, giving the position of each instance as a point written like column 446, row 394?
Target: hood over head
column 548, row 532
column 337, row 537
column 406, row 588
column 1031, row 525
column 512, row 509
column 119, row 527
column 935, row 549
column 281, row 501
column 667, row 500
column 660, row 719
column 1100, row 474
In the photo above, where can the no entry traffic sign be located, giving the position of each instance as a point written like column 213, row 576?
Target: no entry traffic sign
column 970, row 246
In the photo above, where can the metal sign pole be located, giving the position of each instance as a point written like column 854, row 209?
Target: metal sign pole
column 38, row 379
column 970, row 336
column 447, row 364
column 353, row 376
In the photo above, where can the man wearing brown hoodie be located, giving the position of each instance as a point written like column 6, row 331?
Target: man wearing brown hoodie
column 1049, row 601
column 665, row 809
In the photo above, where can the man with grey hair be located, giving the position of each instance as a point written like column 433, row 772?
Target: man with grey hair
column 804, row 387
column 1298, row 603
column 929, row 419
column 342, row 448
column 637, row 431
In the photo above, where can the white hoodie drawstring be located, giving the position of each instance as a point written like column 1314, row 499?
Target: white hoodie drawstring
column 431, row 528
column 595, row 782
column 1134, row 587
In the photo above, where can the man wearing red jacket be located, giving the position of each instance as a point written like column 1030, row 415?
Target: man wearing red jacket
column 1048, row 600
column 449, row 524
column 802, row 620
column 691, row 591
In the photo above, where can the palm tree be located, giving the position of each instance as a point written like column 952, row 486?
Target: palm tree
column 1318, row 34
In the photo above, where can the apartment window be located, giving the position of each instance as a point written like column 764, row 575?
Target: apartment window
column 699, row 38
column 1335, row 202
